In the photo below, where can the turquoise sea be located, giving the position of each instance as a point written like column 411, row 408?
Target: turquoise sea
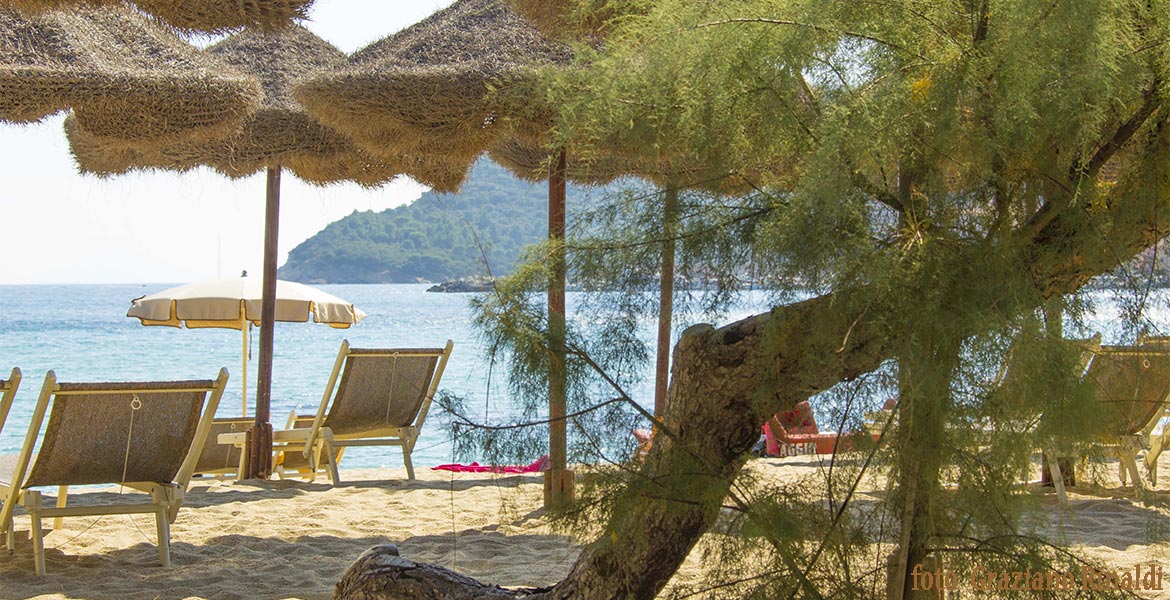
column 82, row 333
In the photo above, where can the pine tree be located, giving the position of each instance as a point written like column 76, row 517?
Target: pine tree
column 933, row 173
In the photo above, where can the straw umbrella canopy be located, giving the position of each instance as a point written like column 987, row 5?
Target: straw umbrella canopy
column 461, row 83
column 447, row 88
column 450, row 88
column 123, row 75
column 280, row 134
column 190, row 15
column 566, row 18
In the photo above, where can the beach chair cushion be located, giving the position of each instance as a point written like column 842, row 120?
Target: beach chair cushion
column 798, row 420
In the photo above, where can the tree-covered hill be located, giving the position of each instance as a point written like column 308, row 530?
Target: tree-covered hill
column 435, row 238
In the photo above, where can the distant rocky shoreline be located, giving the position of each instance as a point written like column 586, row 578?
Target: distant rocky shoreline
column 465, row 285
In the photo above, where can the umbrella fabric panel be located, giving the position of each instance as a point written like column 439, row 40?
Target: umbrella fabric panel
column 228, row 303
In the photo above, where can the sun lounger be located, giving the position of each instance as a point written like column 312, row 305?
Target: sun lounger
column 1010, row 383
column 1132, row 383
column 1157, row 443
column 145, row 436
column 294, row 463
column 8, row 394
column 374, row 397
column 221, row 461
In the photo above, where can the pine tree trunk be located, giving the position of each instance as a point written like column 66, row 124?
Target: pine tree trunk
column 927, row 368
column 717, row 402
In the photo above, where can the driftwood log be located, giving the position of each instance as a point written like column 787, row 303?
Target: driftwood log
column 381, row 573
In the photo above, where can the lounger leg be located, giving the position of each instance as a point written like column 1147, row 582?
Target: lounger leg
column 1058, row 480
column 1157, row 443
column 408, row 441
column 1138, row 484
column 62, row 494
column 331, row 460
column 163, row 498
column 243, row 462
column 32, row 502
column 330, row 456
column 1128, row 455
column 314, row 462
column 175, row 502
column 406, row 460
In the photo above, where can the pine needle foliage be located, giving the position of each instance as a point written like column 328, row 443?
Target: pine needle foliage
column 903, row 157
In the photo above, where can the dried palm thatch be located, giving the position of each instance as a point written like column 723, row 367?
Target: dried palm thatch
column 598, row 166
column 190, row 15
column 123, row 75
column 106, row 157
column 448, row 88
column 579, row 19
column 530, row 161
column 279, row 134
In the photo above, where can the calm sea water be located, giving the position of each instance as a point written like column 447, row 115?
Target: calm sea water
column 82, row 333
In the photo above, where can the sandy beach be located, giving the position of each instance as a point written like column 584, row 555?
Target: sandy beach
column 290, row 539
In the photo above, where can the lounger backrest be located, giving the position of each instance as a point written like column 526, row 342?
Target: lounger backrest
column 1132, row 384
column 8, row 394
column 219, row 457
column 122, row 432
column 382, row 388
column 1011, row 372
column 1154, row 341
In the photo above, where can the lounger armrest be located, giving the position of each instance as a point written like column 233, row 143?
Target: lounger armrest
column 280, row 435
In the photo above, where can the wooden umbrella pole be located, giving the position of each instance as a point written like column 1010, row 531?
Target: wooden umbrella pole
column 260, row 440
column 665, row 299
column 558, row 481
column 244, row 366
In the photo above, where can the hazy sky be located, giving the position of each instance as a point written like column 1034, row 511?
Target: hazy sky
column 57, row 226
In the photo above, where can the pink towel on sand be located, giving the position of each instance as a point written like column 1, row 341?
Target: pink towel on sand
column 537, row 466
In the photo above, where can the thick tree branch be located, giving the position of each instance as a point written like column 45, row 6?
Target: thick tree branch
column 1082, row 171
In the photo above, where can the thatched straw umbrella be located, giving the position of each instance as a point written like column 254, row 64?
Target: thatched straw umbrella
column 122, row 74
column 564, row 19
column 456, row 85
column 190, row 15
column 280, row 134
column 528, row 161
column 568, row 19
column 450, row 88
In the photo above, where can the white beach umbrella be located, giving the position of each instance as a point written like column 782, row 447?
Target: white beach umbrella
column 236, row 304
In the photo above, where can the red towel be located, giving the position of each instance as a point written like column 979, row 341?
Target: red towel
column 536, row 466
